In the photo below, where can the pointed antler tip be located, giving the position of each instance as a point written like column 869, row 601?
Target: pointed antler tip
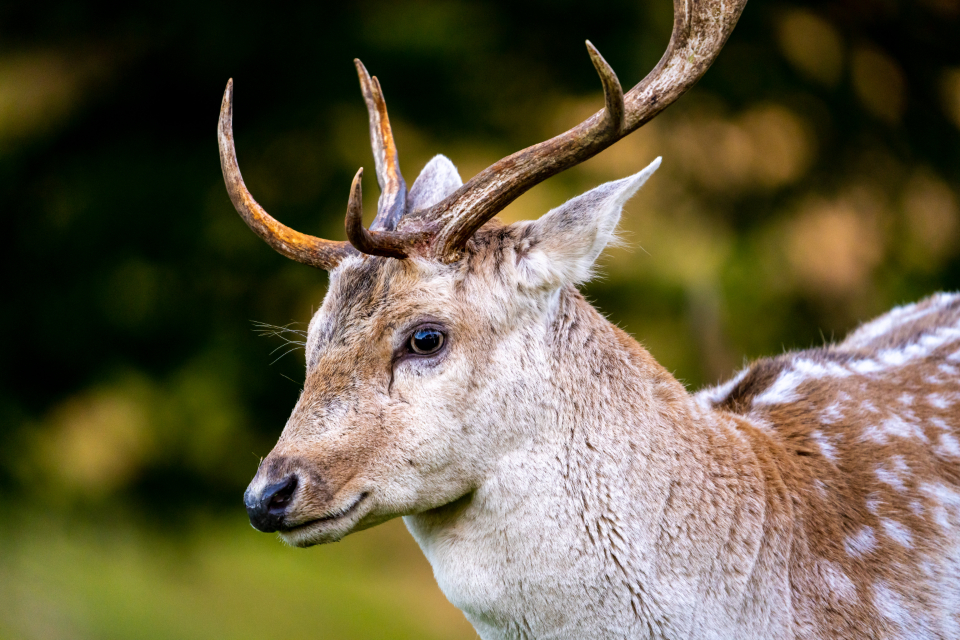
column 358, row 236
column 361, row 69
column 354, row 203
column 595, row 54
column 226, row 106
column 599, row 62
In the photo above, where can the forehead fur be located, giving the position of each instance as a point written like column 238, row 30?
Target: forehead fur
column 372, row 293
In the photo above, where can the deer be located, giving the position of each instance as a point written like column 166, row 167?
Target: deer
column 561, row 482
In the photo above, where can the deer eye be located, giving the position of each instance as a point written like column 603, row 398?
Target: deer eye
column 426, row 340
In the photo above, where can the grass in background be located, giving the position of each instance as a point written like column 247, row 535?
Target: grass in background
column 220, row 580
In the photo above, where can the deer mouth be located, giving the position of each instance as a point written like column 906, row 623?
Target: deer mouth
column 298, row 534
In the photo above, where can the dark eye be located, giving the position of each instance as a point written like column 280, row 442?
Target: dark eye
column 426, row 340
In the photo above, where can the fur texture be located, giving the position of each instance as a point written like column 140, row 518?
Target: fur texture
column 564, row 485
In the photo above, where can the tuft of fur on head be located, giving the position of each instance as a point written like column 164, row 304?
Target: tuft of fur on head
column 562, row 247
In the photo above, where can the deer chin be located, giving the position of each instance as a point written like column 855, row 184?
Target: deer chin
column 329, row 527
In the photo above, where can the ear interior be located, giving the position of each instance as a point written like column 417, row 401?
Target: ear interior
column 438, row 180
column 563, row 245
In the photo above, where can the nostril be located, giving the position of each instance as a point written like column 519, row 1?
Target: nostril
column 267, row 508
column 278, row 496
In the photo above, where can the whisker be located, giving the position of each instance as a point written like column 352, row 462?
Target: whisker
column 292, row 380
column 284, row 333
column 282, row 354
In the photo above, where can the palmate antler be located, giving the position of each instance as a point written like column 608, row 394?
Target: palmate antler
column 700, row 29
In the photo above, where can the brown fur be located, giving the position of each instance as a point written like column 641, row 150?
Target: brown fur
column 833, row 500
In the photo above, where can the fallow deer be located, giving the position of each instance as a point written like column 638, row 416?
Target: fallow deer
column 563, row 484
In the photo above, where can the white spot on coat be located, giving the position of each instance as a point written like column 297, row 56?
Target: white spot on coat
column 938, row 401
column 784, row 388
column 861, row 543
column 865, row 367
column 831, row 414
column 946, row 511
column 836, row 581
column 894, row 426
column 715, row 395
column 897, row 532
column 895, row 476
column 826, row 447
column 948, row 447
column 893, row 319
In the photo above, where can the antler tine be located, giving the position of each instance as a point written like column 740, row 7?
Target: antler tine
column 700, row 29
column 393, row 189
column 389, row 244
column 392, row 244
column 612, row 92
column 316, row 252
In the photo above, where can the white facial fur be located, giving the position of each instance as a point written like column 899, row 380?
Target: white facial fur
column 405, row 434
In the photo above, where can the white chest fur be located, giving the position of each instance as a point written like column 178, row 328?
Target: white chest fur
column 563, row 564
column 513, row 564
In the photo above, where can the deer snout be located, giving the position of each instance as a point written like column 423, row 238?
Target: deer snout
column 267, row 505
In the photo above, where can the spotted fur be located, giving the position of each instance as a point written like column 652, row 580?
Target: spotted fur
column 871, row 430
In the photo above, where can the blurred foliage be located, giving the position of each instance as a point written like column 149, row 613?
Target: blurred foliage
column 810, row 182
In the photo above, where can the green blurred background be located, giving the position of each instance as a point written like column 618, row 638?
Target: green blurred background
column 809, row 182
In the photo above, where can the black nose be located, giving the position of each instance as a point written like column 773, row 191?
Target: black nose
column 267, row 509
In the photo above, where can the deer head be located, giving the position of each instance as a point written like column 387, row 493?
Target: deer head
column 426, row 359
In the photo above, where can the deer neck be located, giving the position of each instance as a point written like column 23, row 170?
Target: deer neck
column 614, row 485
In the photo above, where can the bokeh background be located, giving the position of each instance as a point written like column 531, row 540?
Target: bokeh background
column 148, row 355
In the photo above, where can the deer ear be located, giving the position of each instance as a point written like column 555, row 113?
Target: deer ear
column 562, row 246
column 437, row 181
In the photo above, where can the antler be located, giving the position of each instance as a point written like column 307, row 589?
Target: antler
column 393, row 244
column 393, row 190
column 700, row 29
column 316, row 252
column 381, row 239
